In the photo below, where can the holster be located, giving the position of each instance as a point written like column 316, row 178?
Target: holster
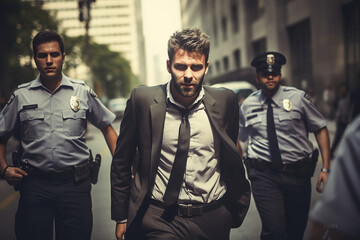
column 81, row 171
column 306, row 167
column 95, row 168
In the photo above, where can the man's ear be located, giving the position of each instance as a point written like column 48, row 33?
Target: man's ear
column 257, row 78
column 168, row 66
column 206, row 67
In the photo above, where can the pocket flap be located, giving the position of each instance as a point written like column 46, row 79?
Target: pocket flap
column 31, row 115
column 74, row 115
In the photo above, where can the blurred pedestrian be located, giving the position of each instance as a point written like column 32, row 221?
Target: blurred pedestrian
column 355, row 99
column 190, row 181
column 336, row 215
column 54, row 173
column 328, row 98
column 343, row 115
column 280, row 158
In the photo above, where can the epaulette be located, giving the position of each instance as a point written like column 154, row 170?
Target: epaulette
column 77, row 81
column 24, row 85
column 254, row 93
column 287, row 88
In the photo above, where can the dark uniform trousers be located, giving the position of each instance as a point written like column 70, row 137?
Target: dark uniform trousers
column 157, row 224
column 44, row 200
column 283, row 202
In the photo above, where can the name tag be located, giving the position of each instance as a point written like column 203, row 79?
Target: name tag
column 31, row 106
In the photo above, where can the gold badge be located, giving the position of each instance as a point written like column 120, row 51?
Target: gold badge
column 287, row 105
column 270, row 59
column 75, row 103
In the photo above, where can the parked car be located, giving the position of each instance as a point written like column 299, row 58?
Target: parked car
column 117, row 106
column 242, row 89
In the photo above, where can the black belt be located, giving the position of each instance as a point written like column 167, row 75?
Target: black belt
column 262, row 165
column 189, row 209
column 68, row 173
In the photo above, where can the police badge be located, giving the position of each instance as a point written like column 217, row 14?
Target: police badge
column 75, row 103
column 287, row 105
column 270, row 59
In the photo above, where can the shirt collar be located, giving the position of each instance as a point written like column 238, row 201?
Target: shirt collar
column 170, row 98
column 65, row 82
column 275, row 98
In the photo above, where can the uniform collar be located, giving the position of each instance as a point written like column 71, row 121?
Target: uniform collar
column 65, row 82
column 170, row 98
column 275, row 98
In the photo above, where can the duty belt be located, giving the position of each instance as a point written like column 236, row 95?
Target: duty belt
column 190, row 210
column 76, row 173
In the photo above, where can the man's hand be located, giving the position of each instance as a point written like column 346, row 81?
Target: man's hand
column 13, row 175
column 321, row 182
column 120, row 230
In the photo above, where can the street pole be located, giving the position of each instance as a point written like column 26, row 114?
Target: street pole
column 84, row 16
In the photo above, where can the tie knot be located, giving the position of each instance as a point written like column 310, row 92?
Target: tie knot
column 269, row 101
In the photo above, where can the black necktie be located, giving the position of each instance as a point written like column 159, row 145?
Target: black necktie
column 178, row 169
column 271, row 131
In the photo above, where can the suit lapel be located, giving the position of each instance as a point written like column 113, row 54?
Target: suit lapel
column 157, row 111
column 216, row 117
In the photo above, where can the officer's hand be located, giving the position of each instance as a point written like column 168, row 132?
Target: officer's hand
column 14, row 175
column 321, row 182
column 120, row 230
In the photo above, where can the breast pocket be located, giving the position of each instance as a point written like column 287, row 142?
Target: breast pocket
column 74, row 123
column 290, row 121
column 255, row 125
column 32, row 124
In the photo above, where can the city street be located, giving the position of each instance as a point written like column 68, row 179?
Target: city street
column 103, row 225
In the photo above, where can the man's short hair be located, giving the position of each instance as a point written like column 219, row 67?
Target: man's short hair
column 191, row 40
column 47, row 36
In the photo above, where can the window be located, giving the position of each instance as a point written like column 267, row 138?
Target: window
column 224, row 27
column 234, row 16
column 236, row 55
column 226, row 63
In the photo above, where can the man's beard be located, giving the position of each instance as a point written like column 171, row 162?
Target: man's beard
column 185, row 93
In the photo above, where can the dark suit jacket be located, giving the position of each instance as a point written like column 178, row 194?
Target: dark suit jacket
column 141, row 133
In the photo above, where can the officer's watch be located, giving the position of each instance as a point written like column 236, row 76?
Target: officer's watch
column 325, row 170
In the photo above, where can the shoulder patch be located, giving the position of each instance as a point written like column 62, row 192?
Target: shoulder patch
column 10, row 99
column 92, row 93
column 307, row 96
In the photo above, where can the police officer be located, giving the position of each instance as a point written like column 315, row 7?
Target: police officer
column 51, row 113
column 280, row 158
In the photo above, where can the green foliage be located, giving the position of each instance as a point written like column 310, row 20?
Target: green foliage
column 21, row 20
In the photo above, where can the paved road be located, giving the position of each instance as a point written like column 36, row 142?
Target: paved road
column 103, row 226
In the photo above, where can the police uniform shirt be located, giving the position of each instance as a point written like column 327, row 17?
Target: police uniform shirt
column 52, row 125
column 294, row 117
column 338, row 206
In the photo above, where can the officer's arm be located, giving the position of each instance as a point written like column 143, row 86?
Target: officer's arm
column 12, row 174
column 322, row 138
column 110, row 137
column 3, row 163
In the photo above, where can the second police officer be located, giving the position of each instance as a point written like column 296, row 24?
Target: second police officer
column 280, row 157
column 51, row 113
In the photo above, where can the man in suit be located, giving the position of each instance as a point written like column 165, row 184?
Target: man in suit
column 188, row 180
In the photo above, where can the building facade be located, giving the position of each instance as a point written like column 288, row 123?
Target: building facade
column 321, row 39
column 116, row 23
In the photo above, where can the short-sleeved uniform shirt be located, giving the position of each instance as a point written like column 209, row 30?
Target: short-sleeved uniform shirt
column 294, row 117
column 339, row 205
column 52, row 125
